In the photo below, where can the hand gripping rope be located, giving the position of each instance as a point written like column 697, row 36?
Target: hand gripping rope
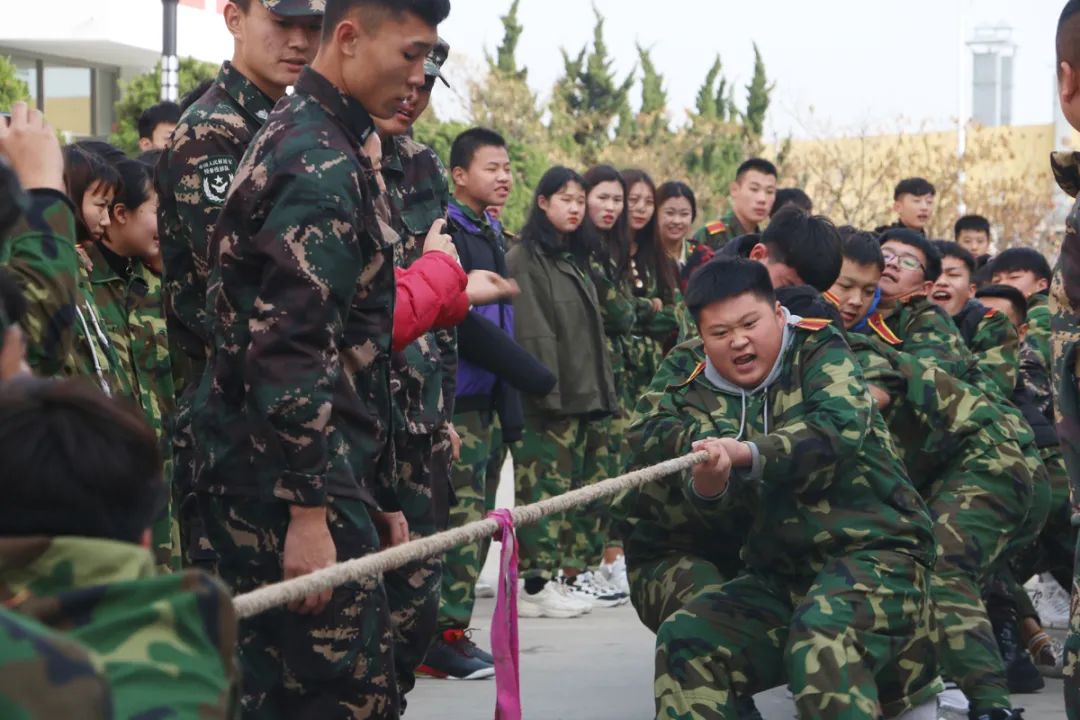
column 501, row 524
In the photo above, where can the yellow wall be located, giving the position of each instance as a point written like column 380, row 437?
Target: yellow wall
column 69, row 114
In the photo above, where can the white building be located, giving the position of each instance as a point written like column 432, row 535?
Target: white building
column 75, row 53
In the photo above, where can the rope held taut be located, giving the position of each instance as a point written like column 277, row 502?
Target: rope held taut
column 287, row 591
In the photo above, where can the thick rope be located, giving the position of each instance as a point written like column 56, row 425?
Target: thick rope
column 287, row 591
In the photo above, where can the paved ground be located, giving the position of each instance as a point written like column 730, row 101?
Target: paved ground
column 598, row 667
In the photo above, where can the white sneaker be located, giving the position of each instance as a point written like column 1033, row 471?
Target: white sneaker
column 483, row 590
column 568, row 594
column 615, row 573
column 549, row 603
column 952, row 705
column 609, row 587
column 588, row 588
column 1050, row 601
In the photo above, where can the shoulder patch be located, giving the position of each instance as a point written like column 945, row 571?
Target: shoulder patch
column 990, row 312
column 831, row 298
column 216, row 173
column 877, row 324
column 812, row 324
column 693, row 376
column 716, row 227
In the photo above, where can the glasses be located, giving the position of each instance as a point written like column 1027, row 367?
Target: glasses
column 907, row 262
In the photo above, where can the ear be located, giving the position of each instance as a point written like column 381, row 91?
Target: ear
column 458, row 175
column 234, row 19
column 972, row 289
column 543, row 203
column 1067, row 79
column 759, row 252
column 1043, row 284
column 1022, row 331
column 347, row 35
column 144, row 541
column 896, row 206
column 145, row 144
column 779, row 310
column 120, row 213
column 733, row 188
column 928, row 286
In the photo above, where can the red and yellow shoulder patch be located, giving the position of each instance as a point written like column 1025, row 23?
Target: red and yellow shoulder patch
column 877, row 324
column 831, row 298
column 990, row 312
column 716, row 227
column 693, row 376
column 812, row 324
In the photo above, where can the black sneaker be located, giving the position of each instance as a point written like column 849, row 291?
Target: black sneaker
column 453, row 656
column 997, row 714
column 1021, row 674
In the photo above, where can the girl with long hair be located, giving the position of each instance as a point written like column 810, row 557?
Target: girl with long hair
column 558, row 320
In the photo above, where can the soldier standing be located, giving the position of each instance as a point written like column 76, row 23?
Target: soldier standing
column 292, row 419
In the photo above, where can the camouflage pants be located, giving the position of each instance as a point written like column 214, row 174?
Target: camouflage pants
column 660, row 588
column 413, row 590
column 859, row 634
column 556, row 455
column 1072, row 647
column 195, row 549
column 469, row 478
column 337, row 664
column 165, row 530
column 977, row 506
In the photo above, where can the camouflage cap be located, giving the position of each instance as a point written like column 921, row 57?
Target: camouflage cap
column 435, row 59
column 295, row 8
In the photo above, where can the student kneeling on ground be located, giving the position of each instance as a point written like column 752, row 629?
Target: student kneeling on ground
column 840, row 544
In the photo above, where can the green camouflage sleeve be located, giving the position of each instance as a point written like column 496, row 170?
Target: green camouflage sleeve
column 292, row 363
column 40, row 252
column 933, row 336
column 1038, row 336
column 835, row 417
column 46, row 675
column 617, row 307
column 662, row 427
column 996, row 347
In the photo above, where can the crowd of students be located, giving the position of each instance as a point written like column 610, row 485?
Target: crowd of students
column 285, row 336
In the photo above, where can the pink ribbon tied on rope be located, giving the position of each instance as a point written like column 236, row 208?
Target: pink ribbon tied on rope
column 504, row 626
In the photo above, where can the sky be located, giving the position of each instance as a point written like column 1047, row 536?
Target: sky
column 838, row 65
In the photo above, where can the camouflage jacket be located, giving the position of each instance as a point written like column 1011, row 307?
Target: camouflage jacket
column 1065, row 323
column 40, row 252
column 193, row 177
column 424, row 375
column 46, row 675
column 936, row 420
column 166, row 643
column 826, row 480
column 994, row 343
column 620, row 310
column 926, row 331
column 719, row 233
column 1038, row 335
column 295, row 404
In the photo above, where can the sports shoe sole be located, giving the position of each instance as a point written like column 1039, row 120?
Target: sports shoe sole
column 428, row 671
column 531, row 610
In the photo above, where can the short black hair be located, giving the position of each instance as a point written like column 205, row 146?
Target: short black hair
column 762, row 165
column 432, row 12
column 165, row 111
column 809, row 244
column 916, row 186
column 1007, row 292
column 862, row 248
column 792, row 196
column 465, row 145
column 196, row 92
column 947, row 248
column 919, row 242
column 1018, row 259
column 1068, row 34
column 976, row 223
column 75, row 462
column 726, row 277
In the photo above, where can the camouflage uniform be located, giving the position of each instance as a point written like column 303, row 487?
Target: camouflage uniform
column 193, row 177
column 423, row 378
column 130, row 309
column 995, row 344
column 837, row 555
column 1039, row 333
column 164, row 642
column 39, row 251
column 718, row 233
column 46, row 675
column 295, row 405
column 927, row 332
column 971, row 470
column 652, row 332
column 1065, row 321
